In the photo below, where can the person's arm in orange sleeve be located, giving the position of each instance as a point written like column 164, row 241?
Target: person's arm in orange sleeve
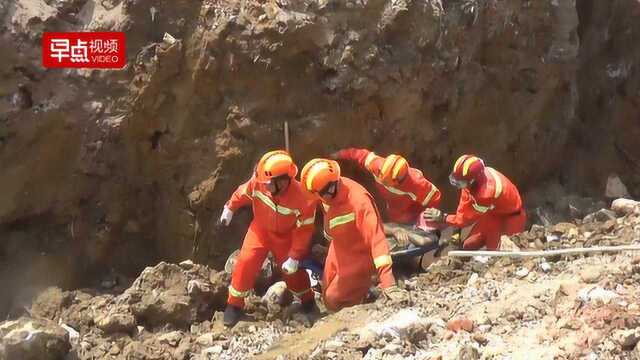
column 369, row 225
column 243, row 196
column 427, row 194
column 467, row 212
column 301, row 242
column 362, row 157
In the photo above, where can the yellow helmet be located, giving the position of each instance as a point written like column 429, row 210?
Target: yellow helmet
column 318, row 173
column 393, row 168
column 274, row 164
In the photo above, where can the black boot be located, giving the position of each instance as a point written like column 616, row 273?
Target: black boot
column 308, row 307
column 232, row 315
column 309, row 313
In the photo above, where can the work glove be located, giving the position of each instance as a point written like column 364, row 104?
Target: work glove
column 402, row 236
column 395, row 295
column 290, row 266
column 226, row 216
column 434, row 215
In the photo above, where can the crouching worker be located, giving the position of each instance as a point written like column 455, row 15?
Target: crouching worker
column 283, row 218
column 357, row 243
column 488, row 201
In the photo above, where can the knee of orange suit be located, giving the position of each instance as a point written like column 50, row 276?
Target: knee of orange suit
column 330, row 302
column 330, row 296
column 473, row 242
column 516, row 224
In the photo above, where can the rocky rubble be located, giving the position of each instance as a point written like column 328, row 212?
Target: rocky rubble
column 160, row 305
column 33, row 339
column 602, row 228
column 555, row 307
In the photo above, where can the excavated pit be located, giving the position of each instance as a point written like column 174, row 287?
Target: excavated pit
column 106, row 172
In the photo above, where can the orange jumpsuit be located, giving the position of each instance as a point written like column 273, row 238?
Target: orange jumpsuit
column 358, row 247
column 494, row 204
column 405, row 202
column 282, row 224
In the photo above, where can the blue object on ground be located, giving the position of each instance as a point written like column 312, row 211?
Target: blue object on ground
column 414, row 251
column 312, row 265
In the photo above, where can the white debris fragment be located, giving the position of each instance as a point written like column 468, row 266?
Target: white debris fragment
column 522, row 272
column 73, row 334
column 624, row 206
column 615, row 187
column 473, row 279
column 545, row 266
column 596, row 295
column 552, row 238
column 168, row 39
column 399, row 324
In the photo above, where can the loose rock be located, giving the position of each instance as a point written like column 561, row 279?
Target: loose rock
column 28, row 338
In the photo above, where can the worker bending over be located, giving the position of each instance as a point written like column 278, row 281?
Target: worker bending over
column 488, row 199
column 283, row 220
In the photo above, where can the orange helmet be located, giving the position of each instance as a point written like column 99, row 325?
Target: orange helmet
column 274, row 164
column 466, row 169
column 318, row 173
column 393, row 168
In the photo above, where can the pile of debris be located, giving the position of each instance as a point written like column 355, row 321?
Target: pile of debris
column 617, row 226
column 554, row 307
column 547, row 307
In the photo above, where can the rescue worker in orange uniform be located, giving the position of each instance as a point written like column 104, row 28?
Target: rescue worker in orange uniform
column 405, row 190
column 357, row 243
column 488, row 199
column 283, row 222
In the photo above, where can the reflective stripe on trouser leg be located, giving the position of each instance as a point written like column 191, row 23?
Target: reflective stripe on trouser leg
column 238, row 293
column 298, row 283
column 304, row 295
column 382, row 260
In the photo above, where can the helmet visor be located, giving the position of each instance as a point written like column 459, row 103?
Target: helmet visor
column 460, row 184
column 329, row 190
